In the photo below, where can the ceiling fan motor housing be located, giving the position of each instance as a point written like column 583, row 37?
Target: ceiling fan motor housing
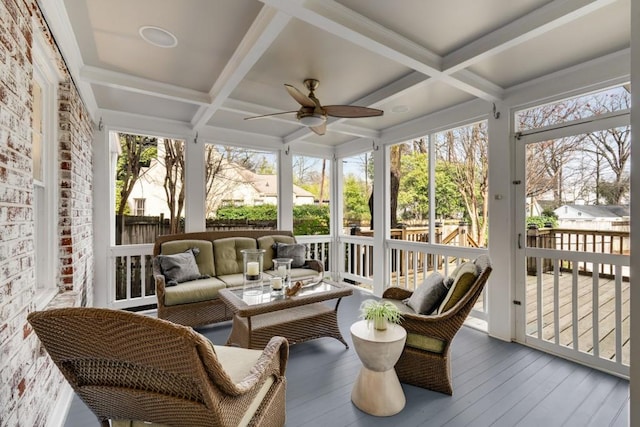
column 311, row 117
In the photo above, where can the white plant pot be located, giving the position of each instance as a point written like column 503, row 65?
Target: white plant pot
column 380, row 323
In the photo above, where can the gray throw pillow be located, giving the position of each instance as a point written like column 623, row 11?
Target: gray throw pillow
column 428, row 296
column 180, row 267
column 295, row 251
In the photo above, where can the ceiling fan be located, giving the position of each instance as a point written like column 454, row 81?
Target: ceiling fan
column 314, row 115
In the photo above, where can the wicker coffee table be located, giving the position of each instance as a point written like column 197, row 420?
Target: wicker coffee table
column 302, row 317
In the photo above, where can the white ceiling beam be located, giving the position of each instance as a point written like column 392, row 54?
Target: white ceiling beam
column 249, row 109
column 359, row 30
column 394, row 90
column 146, row 125
column 263, row 31
column 542, row 20
column 357, row 131
column 218, row 135
column 143, row 86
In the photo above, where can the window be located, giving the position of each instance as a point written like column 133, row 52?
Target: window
column 139, row 209
column 462, row 185
column 149, row 182
column 45, row 176
column 357, row 189
column 617, row 99
column 311, row 195
column 443, row 178
column 241, row 184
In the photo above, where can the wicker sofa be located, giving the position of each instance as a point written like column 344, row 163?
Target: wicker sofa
column 219, row 261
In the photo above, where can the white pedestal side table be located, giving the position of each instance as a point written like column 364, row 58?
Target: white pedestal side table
column 377, row 390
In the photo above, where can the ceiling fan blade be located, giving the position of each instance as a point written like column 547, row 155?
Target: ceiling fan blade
column 302, row 99
column 320, row 130
column 351, row 111
column 269, row 115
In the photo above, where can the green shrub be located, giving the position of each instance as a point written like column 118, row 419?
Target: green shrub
column 307, row 219
column 540, row 221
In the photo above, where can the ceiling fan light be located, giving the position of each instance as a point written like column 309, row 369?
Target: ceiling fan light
column 313, row 120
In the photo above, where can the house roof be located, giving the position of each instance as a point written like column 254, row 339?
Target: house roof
column 412, row 59
column 597, row 211
column 268, row 184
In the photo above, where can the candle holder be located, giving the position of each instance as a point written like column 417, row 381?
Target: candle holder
column 252, row 270
column 282, row 268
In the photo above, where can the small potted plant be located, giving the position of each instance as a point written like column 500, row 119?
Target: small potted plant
column 380, row 312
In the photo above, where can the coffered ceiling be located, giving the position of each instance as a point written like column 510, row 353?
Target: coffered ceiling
column 410, row 58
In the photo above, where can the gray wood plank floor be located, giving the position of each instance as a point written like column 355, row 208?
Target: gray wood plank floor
column 496, row 383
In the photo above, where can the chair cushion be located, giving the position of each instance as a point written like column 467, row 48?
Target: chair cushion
column 228, row 254
column 428, row 296
column 204, row 259
column 448, row 281
column 193, row 291
column 423, row 342
column 267, row 242
column 237, row 363
column 295, row 251
column 180, row 267
column 465, row 277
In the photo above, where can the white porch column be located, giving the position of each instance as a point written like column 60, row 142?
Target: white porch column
column 501, row 232
column 194, row 185
column 104, row 162
column 634, row 371
column 381, row 212
column 336, row 215
column 285, row 189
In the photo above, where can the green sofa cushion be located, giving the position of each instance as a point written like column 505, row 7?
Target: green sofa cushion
column 204, row 259
column 236, row 279
column 193, row 291
column 228, row 254
column 267, row 242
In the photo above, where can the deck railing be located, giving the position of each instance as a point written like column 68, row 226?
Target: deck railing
column 410, row 260
column 577, row 308
column 592, row 241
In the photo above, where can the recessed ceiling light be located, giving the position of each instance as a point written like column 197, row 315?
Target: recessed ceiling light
column 157, row 36
column 400, row 109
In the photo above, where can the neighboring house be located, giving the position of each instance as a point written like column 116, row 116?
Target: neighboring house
column 537, row 207
column 593, row 217
column 232, row 186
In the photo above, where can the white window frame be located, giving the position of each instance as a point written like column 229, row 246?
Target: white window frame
column 139, row 205
column 46, row 259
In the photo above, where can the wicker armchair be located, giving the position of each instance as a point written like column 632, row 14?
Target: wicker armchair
column 127, row 366
column 425, row 360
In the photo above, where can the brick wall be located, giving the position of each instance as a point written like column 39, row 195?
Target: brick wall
column 29, row 383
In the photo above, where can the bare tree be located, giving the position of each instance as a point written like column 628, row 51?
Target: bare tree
column 136, row 152
column 613, row 146
column 174, row 181
column 465, row 149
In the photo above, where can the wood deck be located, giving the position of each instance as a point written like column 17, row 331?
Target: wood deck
column 606, row 318
column 496, row 383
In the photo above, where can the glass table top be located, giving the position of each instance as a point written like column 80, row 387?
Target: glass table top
column 264, row 294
